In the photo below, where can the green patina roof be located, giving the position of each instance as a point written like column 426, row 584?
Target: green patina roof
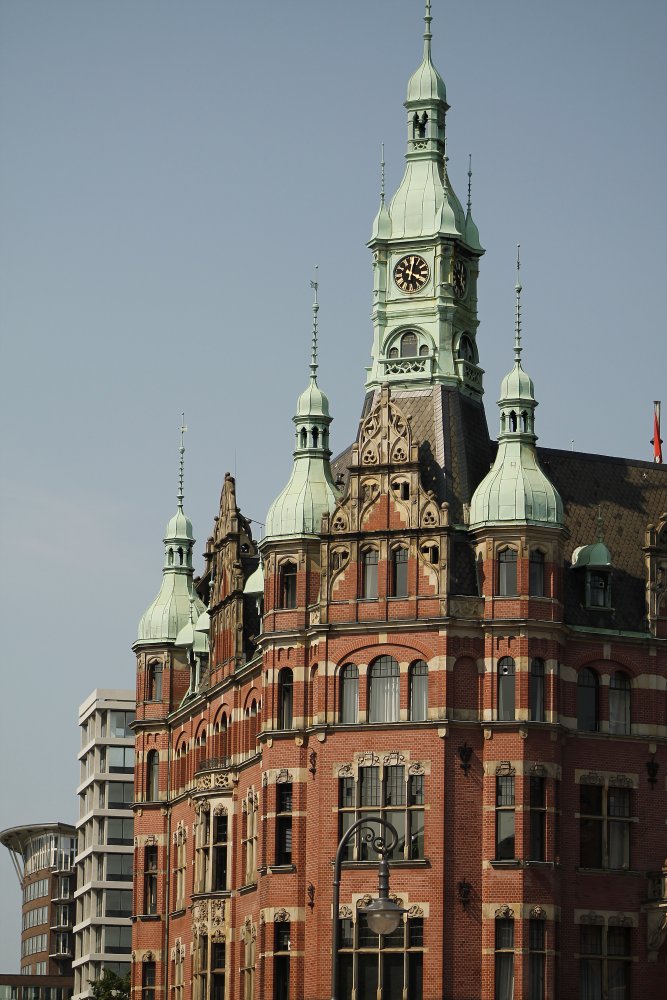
column 595, row 556
column 255, row 582
column 516, row 490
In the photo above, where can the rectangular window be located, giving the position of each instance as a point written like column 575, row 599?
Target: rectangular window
column 538, row 818
column 148, row 981
column 120, row 724
column 219, row 853
column 218, row 970
column 121, row 794
column 118, row 903
column 504, row 960
column 369, row 582
column 505, row 850
column 178, row 978
column 604, row 827
column 605, row 962
column 536, row 959
column 180, row 863
column 117, row 940
column 537, row 690
column 507, row 575
column 250, row 808
column 119, row 868
column 281, row 970
column 120, row 831
column 392, row 794
column 121, row 760
column 392, row 963
column 284, row 824
column 150, row 879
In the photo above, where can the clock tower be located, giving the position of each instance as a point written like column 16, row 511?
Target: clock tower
column 426, row 255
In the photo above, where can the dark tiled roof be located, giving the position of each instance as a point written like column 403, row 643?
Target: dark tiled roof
column 630, row 495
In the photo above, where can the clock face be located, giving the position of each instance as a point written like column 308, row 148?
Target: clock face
column 411, row 273
column 459, row 278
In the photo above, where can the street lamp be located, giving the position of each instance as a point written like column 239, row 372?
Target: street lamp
column 382, row 913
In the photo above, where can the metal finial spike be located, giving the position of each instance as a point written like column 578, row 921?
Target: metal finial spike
column 517, row 322
column 599, row 523
column 180, row 472
column 313, row 351
column 469, row 183
column 427, row 29
column 382, row 176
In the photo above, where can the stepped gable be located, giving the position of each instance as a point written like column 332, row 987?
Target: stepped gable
column 631, row 495
column 452, row 436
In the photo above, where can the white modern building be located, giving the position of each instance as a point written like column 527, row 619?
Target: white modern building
column 102, row 932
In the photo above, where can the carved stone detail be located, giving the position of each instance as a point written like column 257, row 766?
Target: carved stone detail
column 505, row 768
column 504, row 912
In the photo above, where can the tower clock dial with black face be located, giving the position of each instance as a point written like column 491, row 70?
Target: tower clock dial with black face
column 411, row 273
column 459, row 278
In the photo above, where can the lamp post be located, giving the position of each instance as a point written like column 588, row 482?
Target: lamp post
column 383, row 914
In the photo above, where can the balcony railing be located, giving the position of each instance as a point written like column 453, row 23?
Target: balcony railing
column 213, row 764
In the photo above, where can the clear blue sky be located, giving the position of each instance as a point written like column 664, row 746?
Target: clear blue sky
column 170, row 174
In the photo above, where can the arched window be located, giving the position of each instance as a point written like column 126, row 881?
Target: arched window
column 513, row 424
column 409, row 345
column 423, row 351
column 316, row 437
column 221, row 740
column 349, row 694
column 536, row 689
column 418, row 691
column 393, row 352
column 285, row 698
column 587, row 701
column 304, row 437
column 466, row 350
column 180, row 555
column 170, row 557
column 369, row 574
column 506, row 689
column 154, row 684
column 253, row 726
column 536, row 584
column 383, row 690
column 399, row 572
column 619, row 703
column 507, row 576
column 152, row 776
column 288, row 585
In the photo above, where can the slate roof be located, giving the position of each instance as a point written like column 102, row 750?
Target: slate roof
column 631, row 494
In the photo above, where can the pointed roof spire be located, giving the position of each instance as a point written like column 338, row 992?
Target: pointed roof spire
column 180, row 494
column 382, row 177
column 427, row 30
column 517, row 319
column 313, row 350
column 469, row 183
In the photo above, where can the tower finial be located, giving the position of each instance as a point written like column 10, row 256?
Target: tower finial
column 469, row 183
column 313, row 352
column 517, row 321
column 427, row 30
column 599, row 523
column 382, row 177
column 180, row 472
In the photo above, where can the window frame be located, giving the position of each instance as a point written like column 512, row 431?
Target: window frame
column 399, row 571
column 360, row 955
column 370, row 564
column 384, row 690
column 505, row 815
column 584, row 713
column 620, row 703
column 418, row 693
column 506, row 710
column 382, row 790
column 288, row 585
column 508, row 572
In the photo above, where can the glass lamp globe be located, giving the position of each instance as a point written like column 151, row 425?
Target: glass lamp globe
column 383, row 916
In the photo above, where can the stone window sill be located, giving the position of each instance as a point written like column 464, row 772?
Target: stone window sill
column 509, row 863
column 282, row 869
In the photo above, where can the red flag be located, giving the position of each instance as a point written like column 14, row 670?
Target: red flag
column 657, row 440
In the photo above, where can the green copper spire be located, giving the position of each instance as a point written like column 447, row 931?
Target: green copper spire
column 516, row 490
column 472, row 232
column 171, row 609
column 425, row 257
column 310, row 492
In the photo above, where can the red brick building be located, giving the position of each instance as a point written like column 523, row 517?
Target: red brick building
column 479, row 657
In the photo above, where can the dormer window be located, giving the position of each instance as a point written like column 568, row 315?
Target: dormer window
column 598, row 589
